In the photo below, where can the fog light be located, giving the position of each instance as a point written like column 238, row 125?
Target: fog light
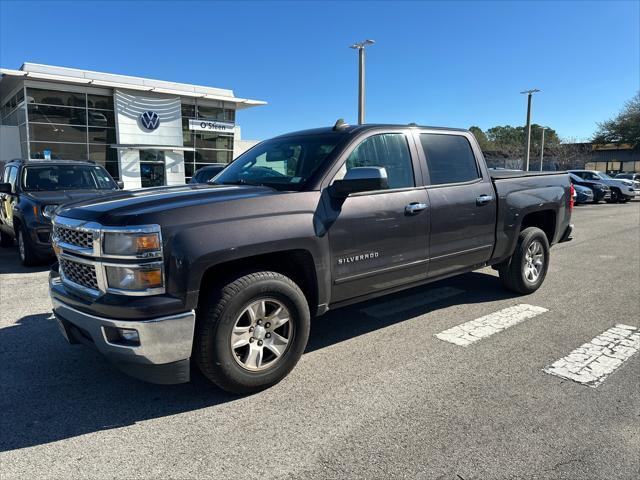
column 129, row 335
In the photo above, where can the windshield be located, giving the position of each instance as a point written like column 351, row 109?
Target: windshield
column 67, row 177
column 604, row 175
column 282, row 163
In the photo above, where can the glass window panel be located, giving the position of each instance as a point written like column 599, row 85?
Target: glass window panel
column 100, row 101
column 22, row 129
column 188, row 111
column 11, row 119
column 55, row 97
column 59, row 151
column 102, row 153
column 213, row 156
column 188, row 171
column 45, row 132
column 210, row 113
column 101, row 118
column 449, row 158
column 187, row 135
column 20, row 96
column 213, row 140
column 102, row 135
column 230, row 115
column 113, row 169
column 388, row 150
column 52, row 114
column 24, row 150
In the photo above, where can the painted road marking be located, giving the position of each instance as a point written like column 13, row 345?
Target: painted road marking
column 483, row 327
column 412, row 301
column 594, row 361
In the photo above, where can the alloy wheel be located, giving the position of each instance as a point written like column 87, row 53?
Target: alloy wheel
column 261, row 334
column 533, row 262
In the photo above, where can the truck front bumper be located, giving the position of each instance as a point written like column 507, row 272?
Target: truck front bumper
column 161, row 353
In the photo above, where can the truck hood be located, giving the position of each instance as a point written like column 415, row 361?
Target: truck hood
column 126, row 207
column 67, row 196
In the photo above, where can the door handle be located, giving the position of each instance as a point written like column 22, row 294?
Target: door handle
column 483, row 199
column 414, row 208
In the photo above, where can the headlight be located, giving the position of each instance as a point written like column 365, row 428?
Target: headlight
column 135, row 278
column 48, row 211
column 132, row 244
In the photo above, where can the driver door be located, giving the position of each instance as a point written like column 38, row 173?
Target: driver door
column 379, row 239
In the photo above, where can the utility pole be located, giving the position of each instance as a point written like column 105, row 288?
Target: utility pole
column 360, row 47
column 542, row 148
column 528, row 142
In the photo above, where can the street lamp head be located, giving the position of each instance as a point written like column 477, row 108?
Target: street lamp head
column 529, row 92
column 361, row 45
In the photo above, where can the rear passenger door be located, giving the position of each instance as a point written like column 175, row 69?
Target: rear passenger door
column 6, row 200
column 462, row 202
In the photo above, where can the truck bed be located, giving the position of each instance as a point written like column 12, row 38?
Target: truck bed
column 502, row 174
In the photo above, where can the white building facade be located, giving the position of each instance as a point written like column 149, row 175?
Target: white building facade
column 144, row 132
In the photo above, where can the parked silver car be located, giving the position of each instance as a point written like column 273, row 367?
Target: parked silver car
column 622, row 190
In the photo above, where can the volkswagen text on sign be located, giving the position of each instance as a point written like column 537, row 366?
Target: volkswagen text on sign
column 210, row 126
column 150, row 120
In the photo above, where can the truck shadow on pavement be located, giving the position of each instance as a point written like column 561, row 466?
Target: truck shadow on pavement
column 52, row 391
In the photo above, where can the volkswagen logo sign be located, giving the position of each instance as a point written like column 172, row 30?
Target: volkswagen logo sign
column 150, row 120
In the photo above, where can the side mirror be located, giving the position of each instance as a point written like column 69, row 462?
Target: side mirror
column 121, row 185
column 5, row 188
column 361, row 179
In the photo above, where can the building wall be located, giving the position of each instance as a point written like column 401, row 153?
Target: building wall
column 9, row 143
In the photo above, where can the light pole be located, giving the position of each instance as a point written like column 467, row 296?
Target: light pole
column 542, row 147
column 360, row 47
column 528, row 143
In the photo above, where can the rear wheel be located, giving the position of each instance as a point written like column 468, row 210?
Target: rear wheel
column 251, row 332
column 527, row 268
column 28, row 256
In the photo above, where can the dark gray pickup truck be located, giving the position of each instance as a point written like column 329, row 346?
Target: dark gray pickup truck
column 228, row 275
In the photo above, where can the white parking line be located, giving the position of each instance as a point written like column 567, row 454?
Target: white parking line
column 412, row 301
column 483, row 327
column 594, row 361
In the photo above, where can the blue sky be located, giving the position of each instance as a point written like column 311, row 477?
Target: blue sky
column 452, row 64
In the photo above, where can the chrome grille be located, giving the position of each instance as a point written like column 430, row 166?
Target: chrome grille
column 79, row 273
column 74, row 237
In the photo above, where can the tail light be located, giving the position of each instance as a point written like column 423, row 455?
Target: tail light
column 572, row 192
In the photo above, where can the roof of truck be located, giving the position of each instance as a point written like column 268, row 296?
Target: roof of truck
column 345, row 128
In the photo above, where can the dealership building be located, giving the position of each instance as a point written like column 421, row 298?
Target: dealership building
column 144, row 132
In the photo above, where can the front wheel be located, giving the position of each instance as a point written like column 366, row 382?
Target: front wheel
column 28, row 256
column 615, row 196
column 251, row 332
column 527, row 268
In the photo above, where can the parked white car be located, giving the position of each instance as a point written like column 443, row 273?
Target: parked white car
column 622, row 190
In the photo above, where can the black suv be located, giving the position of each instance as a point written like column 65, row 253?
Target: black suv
column 30, row 192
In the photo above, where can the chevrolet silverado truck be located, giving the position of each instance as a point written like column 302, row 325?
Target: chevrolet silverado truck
column 227, row 276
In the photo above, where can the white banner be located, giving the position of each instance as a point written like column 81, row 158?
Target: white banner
column 210, row 126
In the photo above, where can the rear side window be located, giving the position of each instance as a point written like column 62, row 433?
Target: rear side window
column 449, row 158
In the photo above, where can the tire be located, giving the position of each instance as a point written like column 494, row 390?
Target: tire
column 516, row 274
column 5, row 240
column 26, row 252
column 615, row 196
column 248, row 301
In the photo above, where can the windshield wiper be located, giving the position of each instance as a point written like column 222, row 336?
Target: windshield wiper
column 240, row 181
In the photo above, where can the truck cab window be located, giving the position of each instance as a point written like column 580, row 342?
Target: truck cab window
column 449, row 158
column 389, row 150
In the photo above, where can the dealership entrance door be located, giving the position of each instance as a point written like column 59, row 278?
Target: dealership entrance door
column 152, row 168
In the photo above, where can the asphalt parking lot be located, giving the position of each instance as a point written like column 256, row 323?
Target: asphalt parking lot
column 376, row 395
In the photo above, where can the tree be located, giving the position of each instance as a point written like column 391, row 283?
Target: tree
column 624, row 128
column 480, row 137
